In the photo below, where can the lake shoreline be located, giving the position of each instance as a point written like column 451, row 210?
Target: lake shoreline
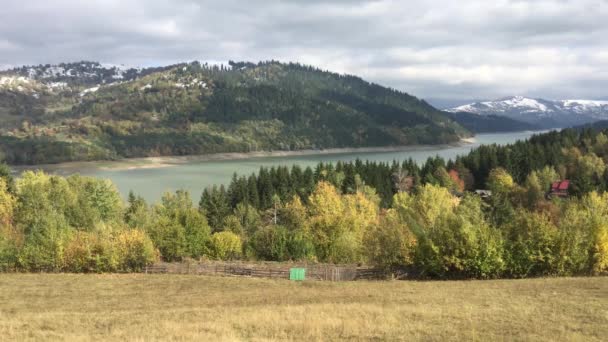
column 169, row 161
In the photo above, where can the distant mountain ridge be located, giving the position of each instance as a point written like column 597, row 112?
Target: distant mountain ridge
column 92, row 111
column 544, row 113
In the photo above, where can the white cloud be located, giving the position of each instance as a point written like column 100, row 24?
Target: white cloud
column 438, row 49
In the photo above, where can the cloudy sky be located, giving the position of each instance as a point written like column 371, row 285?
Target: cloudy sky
column 442, row 49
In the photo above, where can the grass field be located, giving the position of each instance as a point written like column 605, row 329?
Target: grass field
column 173, row 307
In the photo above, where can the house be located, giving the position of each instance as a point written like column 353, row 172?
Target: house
column 559, row 189
column 484, row 194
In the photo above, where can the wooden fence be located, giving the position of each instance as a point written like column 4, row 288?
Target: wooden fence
column 325, row 272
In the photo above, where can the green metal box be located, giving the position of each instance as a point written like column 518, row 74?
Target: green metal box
column 297, row 274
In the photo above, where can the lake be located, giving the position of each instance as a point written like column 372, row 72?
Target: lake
column 150, row 180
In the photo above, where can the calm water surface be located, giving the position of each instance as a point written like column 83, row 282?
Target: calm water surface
column 196, row 175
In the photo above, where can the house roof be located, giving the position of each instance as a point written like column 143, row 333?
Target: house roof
column 483, row 192
column 561, row 185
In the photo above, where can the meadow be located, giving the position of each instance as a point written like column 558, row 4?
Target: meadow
column 174, row 307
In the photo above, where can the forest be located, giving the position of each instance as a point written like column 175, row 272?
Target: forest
column 490, row 123
column 426, row 219
column 195, row 108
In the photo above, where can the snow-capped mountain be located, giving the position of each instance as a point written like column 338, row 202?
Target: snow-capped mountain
column 545, row 113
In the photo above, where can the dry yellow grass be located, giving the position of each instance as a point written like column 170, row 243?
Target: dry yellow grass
column 173, row 307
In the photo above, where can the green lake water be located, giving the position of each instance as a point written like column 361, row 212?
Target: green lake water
column 194, row 176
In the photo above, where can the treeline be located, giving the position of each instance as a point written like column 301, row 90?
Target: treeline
column 576, row 154
column 400, row 215
column 80, row 225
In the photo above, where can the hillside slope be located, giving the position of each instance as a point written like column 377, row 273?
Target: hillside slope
column 490, row 123
column 88, row 111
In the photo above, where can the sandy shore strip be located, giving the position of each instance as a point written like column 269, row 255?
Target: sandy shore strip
column 168, row 161
column 470, row 140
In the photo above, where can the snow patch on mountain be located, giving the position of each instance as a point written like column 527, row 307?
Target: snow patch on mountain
column 560, row 113
column 520, row 101
column 89, row 90
column 584, row 103
column 524, row 103
column 13, row 80
column 83, row 73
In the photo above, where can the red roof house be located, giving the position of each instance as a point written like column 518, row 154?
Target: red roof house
column 559, row 189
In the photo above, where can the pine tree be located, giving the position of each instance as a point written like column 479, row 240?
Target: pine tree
column 215, row 204
column 253, row 196
column 265, row 189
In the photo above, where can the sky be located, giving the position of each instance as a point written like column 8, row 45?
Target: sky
column 446, row 51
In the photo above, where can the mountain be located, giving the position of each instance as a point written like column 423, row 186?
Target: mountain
column 490, row 123
column 544, row 113
column 597, row 125
column 90, row 111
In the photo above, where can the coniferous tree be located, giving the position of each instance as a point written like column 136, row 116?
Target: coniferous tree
column 215, row 205
column 253, row 196
column 265, row 188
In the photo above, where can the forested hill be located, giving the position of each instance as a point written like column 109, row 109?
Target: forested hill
column 491, row 123
column 88, row 111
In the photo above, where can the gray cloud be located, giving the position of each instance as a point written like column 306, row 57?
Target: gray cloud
column 439, row 49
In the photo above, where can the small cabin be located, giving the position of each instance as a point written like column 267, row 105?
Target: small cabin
column 484, row 194
column 559, row 189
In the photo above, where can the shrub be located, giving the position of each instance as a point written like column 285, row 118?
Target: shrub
column 452, row 240
column 531, row 245
column 300, row 246
column 270, row 243
column 600, row 248
column 42, row 255
column 390, row 243
column 595, row 209
column 9, row 249
column 178, row 229
column 7, row 204
column 169, row 237
column 135, row 250
column 226, row 245
column 90, row 252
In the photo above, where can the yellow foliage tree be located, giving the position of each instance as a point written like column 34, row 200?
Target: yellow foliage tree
column 430, row 204
column 339, row 223
column 597, row 212
column 390, row 242
column 326, row 210
column 295, row 215
column 359, row 213
column 500, row 181
column 89, row 252
column 226, row 245
column 135, row 250
column 10, row 238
